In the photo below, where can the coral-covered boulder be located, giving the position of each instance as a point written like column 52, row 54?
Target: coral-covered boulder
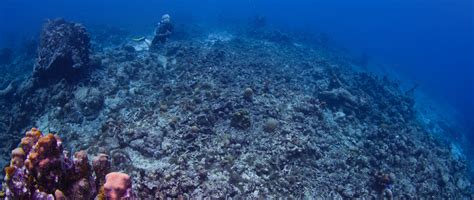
column 63, row 51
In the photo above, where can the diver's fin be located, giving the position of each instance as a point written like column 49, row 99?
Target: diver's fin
column 138, row 39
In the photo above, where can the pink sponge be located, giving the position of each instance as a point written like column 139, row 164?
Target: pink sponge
column 118, row 186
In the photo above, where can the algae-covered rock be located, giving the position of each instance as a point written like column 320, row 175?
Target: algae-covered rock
column 89, row 101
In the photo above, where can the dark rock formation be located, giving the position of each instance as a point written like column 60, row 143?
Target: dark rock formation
column 63, row 52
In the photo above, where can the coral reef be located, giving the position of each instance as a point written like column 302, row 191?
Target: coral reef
column 41, row 169
column 240, row 116
column 63, row 51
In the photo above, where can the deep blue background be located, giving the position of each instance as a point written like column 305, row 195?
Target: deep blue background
column 429, row 42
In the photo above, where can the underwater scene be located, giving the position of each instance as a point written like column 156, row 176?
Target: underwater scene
column 236, row 99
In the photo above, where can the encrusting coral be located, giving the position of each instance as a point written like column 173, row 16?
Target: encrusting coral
column 41, row 169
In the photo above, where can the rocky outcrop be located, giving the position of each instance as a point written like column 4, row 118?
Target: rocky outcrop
column 63, row 52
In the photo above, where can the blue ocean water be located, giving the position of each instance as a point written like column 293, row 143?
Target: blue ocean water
column 429, row 43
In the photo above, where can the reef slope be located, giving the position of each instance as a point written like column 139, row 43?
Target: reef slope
column 243, row 117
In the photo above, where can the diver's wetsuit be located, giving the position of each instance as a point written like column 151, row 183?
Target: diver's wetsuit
column 162, row 33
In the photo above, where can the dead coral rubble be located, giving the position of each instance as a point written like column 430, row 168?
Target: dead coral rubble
column 178, row 121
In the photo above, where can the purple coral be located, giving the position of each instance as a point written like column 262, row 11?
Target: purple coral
column 47, row 173
column 17, row 184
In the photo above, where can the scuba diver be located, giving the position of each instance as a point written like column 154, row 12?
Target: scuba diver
column 163, row 31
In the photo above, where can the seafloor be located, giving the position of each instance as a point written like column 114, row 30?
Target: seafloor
column 238, row 114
